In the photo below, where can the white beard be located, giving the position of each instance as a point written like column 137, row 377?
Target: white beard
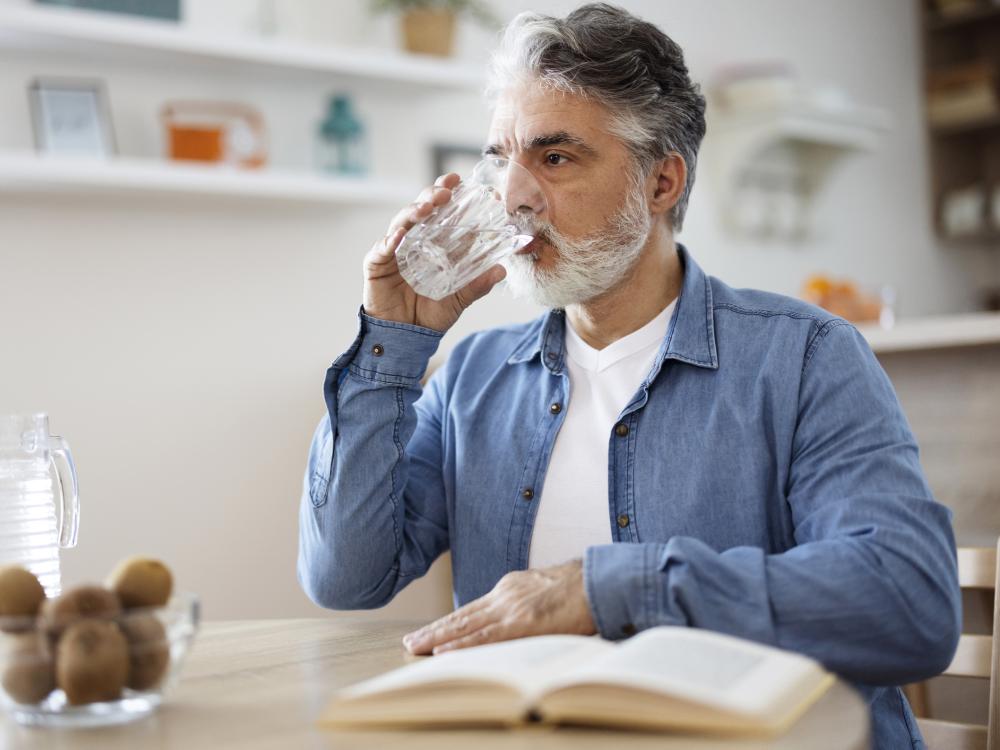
column 584, row 268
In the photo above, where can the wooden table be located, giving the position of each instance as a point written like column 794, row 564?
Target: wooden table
column 262, row 684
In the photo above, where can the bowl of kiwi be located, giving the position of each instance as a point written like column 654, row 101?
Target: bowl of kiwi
column 94, row 655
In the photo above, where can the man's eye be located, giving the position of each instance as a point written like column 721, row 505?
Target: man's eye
column 554, row 159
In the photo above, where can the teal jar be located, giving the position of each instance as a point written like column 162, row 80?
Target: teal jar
column 342, row 143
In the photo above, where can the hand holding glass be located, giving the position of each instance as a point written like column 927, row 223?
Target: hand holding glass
column 473, row 231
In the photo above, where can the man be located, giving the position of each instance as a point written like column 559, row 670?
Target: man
column 658, row 449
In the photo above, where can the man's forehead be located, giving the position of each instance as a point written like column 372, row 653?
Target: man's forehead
column 533, row 117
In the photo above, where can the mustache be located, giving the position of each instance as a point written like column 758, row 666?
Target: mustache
column 537, row 228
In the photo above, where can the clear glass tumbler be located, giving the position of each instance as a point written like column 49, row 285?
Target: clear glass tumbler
column 473, row 231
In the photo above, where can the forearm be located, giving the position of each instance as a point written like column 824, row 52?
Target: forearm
column 874, row 604
column 353, row 548
column 349, row 547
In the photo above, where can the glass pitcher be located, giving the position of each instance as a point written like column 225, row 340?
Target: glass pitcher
column 36, row 468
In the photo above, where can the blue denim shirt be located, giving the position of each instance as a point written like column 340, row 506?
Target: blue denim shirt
column 762, row 482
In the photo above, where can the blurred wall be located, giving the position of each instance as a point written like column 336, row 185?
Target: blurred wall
column 181, row 345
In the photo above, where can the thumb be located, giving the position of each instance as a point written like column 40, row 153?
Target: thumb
column 481, row 285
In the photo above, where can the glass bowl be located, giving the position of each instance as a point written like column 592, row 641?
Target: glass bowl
column 157, row 640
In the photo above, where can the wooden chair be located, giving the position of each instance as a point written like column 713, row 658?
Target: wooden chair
column 977, row 656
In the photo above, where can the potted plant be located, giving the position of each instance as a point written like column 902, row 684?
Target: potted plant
column 429, row 25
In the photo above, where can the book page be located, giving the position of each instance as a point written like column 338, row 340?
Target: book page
column 699, row 665
column 707, row 666
column 521, row 664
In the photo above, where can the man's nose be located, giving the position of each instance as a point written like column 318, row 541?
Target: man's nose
column 523, row 192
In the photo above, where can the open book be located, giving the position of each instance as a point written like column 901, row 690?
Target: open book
column 663, row 678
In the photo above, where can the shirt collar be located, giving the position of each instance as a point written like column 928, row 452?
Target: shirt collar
column 690, row 336
column 646, row 340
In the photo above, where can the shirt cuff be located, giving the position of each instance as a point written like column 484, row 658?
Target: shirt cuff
column 622, row 582
column 389, row 352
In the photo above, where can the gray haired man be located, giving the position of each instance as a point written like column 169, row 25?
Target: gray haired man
column 657, row 449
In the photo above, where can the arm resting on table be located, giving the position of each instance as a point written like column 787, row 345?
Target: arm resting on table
column 870, row 590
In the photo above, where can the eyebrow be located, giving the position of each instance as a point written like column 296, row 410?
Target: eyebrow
column 559, row 138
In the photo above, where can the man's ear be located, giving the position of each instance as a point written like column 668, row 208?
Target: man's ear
column 667, row 183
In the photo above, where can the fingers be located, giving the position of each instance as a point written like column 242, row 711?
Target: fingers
column 387, row 247
column 523, row 603
column 381, row 259
column 462, row 621
column 437, row 195
column 480, row 286
column 429, row 199
column 410, row 216
column 457, row 624
column 491, row 633
column 449, row 180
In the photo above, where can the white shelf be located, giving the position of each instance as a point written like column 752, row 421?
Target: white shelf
column 770, row 161
column 132, row 40
column 974, row 329
column 134, row 178
column 846, row 125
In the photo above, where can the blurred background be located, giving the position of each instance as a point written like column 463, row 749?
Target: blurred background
column 187, row 190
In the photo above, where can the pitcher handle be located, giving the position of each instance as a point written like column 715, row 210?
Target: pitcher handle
column 69, row 501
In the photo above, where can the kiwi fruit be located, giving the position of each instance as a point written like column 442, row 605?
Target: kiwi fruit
column 28, row 676
column 81, row 602
column 20, row 597
column 92, row 662
column 141, row 582
column 148, row 650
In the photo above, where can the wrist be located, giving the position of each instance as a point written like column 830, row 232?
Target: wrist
column 402, row 317
column 390, row 352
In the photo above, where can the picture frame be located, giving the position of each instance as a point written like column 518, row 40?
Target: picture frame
column 458, row 158
column 71, row 117
column 162, row 10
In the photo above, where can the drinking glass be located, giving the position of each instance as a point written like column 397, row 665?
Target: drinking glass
column 482, row 223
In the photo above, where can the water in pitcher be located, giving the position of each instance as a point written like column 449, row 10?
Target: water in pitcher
column 39, row 503
column 29, row 529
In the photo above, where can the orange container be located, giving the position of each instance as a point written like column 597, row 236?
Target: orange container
column 195, row 143
column 218, row 132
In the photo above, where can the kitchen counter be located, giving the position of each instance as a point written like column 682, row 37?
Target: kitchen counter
column 973, row 329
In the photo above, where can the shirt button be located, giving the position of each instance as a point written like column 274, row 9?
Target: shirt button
column 528, row 493
column 628, row 629
column 550, row 355
column 622, row 521
column 555, row 408
column 377, row 350
column 621, row 429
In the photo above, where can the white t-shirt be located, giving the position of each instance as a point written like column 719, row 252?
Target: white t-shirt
column 573, row 509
